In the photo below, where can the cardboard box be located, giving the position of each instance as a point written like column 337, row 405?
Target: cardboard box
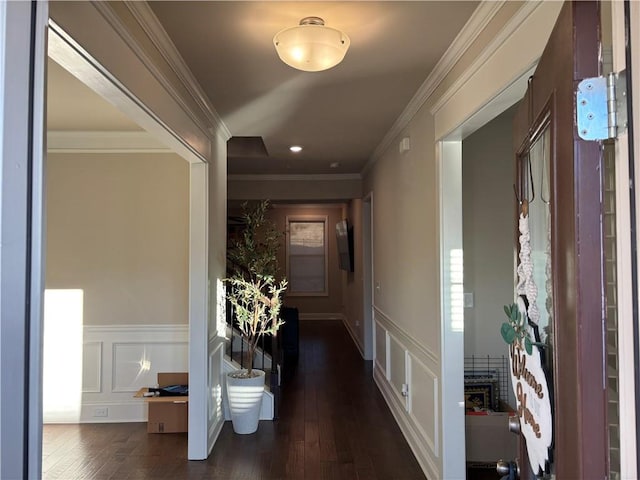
column 488, row 438
column 167, row 414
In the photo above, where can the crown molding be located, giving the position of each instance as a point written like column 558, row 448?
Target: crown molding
column 511, row 26
column 211, row 123
column 295, row 178
column 103, row 142
column 479, row 19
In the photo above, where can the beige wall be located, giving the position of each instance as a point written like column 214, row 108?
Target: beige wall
column 118, row 228
column 405, row 232
column 312, row 306
column 315, row 306
column 488, row 232
column 309, row 188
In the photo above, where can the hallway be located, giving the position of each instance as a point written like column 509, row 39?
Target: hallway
column 333, row 424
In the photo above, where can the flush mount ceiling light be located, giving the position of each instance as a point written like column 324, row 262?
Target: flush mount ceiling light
column 311, row 46
column 295, row 148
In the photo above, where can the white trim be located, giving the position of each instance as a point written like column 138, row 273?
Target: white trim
column 434, row 442
column 510, row 27
column 452, row 426
column 146, row 330
column 367, row 277
column 71, row 56
column 626, row 363
column 480, row 18
column 199, row 389
column 414, row 437
column 215, row 418
column 353, row 336
column 295, row 178
column 38, row 238
column 421, row 352
column 161, row 40
column 104, row 142
column 149, row 23
column 501, row 80
column 98, row 364
column 22, row 93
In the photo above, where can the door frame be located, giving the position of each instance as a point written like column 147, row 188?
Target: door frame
column 627, row 327
column 23, row 31
column 65, row 51
column 467, row 108
column 367, row 275
column 492, row 84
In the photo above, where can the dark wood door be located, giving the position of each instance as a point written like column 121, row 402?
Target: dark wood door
column 575, row 355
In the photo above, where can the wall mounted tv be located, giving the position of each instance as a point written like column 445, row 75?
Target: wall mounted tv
column 344, row 237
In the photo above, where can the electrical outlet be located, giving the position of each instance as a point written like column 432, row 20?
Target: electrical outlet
column 101, row 412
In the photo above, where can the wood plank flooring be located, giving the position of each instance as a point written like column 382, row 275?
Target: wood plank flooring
column 333, row 424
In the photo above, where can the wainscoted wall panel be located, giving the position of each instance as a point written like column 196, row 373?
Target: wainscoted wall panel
column 381, row 349
column 401, row 360
column 119, row 359
column 215, row 378
column 92, row 367
column 135, row 365
column 424, row 401
column 397, row 370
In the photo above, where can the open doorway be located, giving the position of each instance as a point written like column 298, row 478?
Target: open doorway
column 117, row 258
column 129, row 227
column 487, row 222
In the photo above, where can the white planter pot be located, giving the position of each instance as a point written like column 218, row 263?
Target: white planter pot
column 245, row 400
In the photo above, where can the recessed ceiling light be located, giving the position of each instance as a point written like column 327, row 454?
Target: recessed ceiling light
column 295, row 148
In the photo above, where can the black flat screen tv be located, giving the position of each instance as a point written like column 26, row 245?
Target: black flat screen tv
column 344, row 237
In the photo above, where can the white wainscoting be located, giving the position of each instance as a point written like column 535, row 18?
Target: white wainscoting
column 120, row 359
column 401, row 361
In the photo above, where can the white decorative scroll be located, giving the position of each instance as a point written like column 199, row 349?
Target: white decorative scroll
column 530, row 387
column 526, row 286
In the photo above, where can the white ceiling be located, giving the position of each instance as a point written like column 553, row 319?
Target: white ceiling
column 339, row 115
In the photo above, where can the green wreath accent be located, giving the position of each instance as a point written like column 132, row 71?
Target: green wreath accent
column 515, row 330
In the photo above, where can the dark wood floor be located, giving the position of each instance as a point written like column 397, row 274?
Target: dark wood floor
column 333, row 424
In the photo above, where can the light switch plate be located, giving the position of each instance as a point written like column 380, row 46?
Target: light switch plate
column 468, row 300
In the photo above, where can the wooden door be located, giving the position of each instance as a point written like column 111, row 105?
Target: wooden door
column 572, row 195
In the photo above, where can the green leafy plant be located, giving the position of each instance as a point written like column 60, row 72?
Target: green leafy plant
column 252, row 288
column 254, row 252
column 257, row 304
column 516, row 329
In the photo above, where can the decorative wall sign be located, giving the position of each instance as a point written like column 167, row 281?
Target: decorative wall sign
column 529, row 382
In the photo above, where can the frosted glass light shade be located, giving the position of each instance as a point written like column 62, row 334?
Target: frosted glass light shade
column 311, row 46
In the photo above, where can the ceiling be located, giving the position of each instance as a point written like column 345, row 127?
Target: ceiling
column 338, row 116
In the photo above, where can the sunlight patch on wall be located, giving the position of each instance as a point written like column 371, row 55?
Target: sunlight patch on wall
column 62, row 373
column 457, row 290
column 221, row 311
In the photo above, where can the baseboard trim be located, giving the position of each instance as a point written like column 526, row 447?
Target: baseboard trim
column 116, row 412
column 416, row 443
column 354, row 337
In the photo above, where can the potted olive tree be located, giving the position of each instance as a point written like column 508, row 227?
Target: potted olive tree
column 256, row 297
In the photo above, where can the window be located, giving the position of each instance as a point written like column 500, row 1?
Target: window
column 307, row 255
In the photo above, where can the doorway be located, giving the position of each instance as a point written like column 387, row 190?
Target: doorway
column 179, row 339
column 487, row 221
